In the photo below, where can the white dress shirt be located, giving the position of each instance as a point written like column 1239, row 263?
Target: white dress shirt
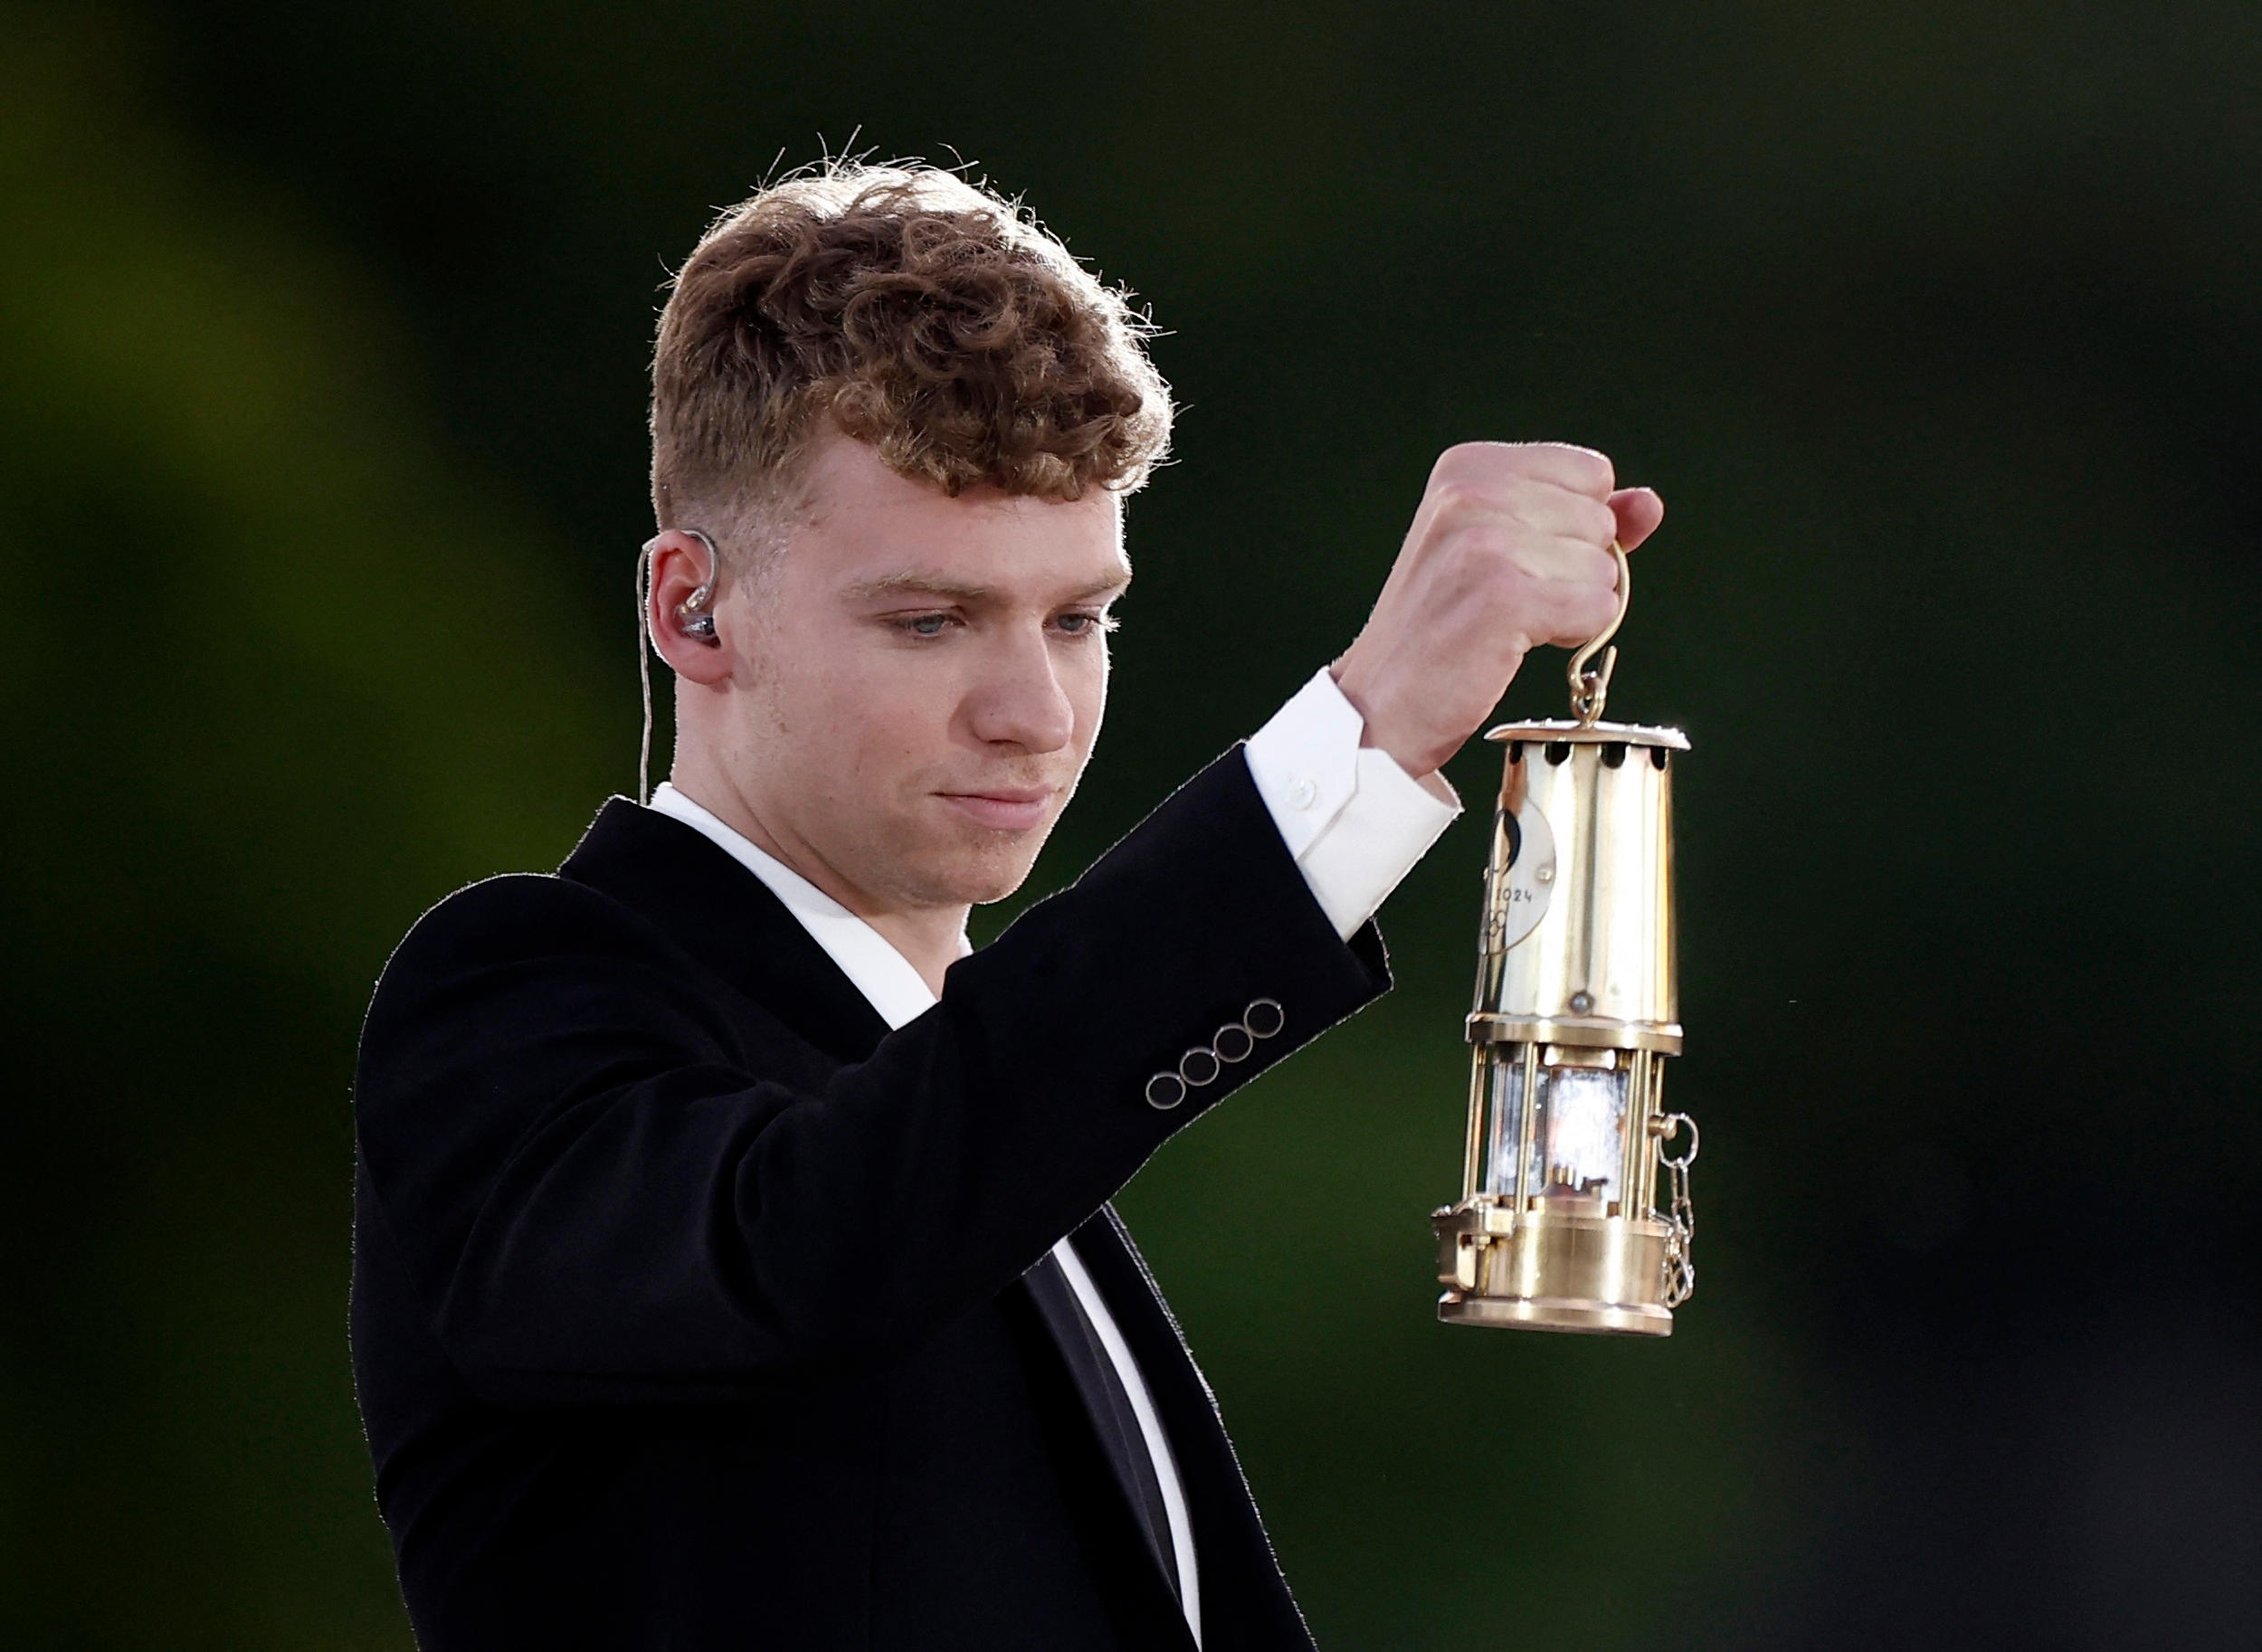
column 1354, row 821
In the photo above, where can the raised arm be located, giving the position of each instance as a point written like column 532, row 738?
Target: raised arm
column 603, row 1189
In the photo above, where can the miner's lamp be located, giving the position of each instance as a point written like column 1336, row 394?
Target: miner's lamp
column 1558, row 1226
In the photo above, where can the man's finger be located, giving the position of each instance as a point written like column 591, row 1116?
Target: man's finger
column 1639, row 512
column 1485, row 463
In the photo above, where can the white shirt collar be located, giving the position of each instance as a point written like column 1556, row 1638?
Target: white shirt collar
column 884, row 975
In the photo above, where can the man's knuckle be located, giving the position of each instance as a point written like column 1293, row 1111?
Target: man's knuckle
column 1466, row 459
column 1450, row 496
column 1581, row 468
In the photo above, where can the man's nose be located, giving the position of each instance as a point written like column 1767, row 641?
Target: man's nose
column 1020, row 699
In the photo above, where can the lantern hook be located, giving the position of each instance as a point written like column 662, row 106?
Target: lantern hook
column 1590, row 686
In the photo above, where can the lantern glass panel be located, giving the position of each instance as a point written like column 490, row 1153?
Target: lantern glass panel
column 1581, row 1129
column 1505, row 1145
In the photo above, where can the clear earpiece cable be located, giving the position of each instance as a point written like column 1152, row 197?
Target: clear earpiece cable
column 643, row 671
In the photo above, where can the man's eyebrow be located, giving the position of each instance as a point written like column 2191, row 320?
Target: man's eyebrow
column 1113, row 586
column 914, row 582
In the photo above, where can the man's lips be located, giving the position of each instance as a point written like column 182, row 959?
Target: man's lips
column 1007, row 808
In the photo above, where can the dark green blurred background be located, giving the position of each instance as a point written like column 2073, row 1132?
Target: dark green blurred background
column 323, row 333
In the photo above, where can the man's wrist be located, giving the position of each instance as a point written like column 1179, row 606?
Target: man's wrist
column 1348, row 811
column 1419, row 758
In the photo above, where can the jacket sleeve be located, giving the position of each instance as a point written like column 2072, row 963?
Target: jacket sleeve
column 595, row 1199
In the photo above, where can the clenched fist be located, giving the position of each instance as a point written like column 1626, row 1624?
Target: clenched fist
column 1509, row 550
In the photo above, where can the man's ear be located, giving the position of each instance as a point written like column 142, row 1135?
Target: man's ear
column 680, row 614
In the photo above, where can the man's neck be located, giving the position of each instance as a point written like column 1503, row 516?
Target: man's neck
column 930, row 938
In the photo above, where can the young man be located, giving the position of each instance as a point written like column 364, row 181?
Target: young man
column 733, row 1262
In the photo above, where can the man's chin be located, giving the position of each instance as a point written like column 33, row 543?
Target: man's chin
column 982, row 873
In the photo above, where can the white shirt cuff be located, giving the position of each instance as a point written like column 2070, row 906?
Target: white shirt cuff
column 1354, row 821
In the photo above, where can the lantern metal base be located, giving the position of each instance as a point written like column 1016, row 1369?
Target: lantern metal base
column 1552, row 1269
column 1557, row 1314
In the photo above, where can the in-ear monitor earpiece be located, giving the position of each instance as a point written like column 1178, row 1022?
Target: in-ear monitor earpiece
column 692, row 621
column 689, row 621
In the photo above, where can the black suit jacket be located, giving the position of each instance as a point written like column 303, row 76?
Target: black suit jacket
column 688, row 1308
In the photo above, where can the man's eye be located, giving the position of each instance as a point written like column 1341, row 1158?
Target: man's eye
column 1085, row 625
column 923, row 624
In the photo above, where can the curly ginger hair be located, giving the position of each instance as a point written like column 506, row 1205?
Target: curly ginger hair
column 911, row 311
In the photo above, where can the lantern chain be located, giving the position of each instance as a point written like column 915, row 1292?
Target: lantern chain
column 1680, row 1265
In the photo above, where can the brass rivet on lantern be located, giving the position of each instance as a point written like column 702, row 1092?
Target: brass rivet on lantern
column 1578, row 1008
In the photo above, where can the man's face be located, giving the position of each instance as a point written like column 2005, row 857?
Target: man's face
column 919, row 680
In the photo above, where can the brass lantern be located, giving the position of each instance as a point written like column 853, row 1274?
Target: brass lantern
column 1557, row 1227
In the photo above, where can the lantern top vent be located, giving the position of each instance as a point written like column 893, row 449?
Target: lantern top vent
column 1590, row 734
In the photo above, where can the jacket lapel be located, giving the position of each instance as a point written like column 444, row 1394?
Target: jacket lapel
column 727, row 918
column 1107, row 1405
column 1245, row 1600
